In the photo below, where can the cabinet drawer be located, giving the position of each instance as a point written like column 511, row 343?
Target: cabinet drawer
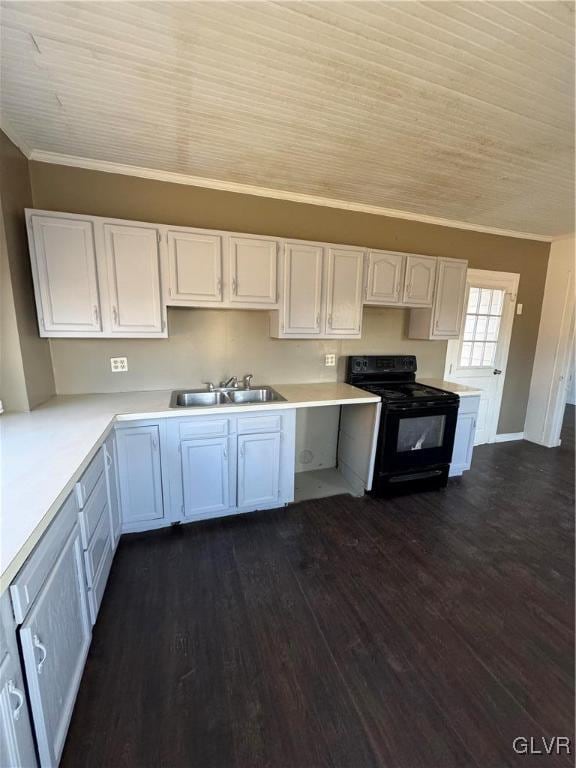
column 96, row 592
column 85, row 485
column 203, row 428
column 32, row 576
column 268, row 423
column 97, row 549
column 92, row 512
column 469, row 404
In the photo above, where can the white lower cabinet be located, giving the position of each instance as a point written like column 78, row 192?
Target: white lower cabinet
column 258, row 469
column 111, row 469
column 464, row 437
column 205, row 475
column 228, row 465
column 16, row 743
column 55, row 638
column 140, row 476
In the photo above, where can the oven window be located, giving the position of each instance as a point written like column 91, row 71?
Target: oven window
column 417, row 433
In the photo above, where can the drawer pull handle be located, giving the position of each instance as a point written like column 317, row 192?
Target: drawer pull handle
column 115, row 315
column 108, row 458
column 14, row 691
column 44, row 652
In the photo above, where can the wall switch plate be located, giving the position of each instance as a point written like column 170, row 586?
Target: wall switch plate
column 119, row 364
column 329, row 360
column 518, row 309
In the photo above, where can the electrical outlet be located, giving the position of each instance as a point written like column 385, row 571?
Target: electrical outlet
column 119, row 364
column 329, row 360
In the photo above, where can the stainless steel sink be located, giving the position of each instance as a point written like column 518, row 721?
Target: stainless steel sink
column 194, row 398
column 255, row 395
column 199, row 397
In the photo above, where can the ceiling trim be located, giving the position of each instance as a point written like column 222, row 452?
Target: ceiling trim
column 278, row 194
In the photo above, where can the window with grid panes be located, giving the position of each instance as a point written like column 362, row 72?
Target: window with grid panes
column 481, row 327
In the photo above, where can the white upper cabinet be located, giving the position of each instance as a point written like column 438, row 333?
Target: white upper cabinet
column 253, row 270
column 385, row 277
column 344, row 271
column 449, row 298
column 444, row 318
column 133, row 267
column 194, row 268
column 65, row 277
column 419, row 281
column 301, row 312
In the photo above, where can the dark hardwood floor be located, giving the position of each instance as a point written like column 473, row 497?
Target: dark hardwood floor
column 429, row 630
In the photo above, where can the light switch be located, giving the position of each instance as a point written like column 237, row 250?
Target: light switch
column 119, row 364
column 518, row 309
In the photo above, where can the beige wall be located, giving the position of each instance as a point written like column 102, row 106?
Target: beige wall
column 209, row 344
column 32, row 365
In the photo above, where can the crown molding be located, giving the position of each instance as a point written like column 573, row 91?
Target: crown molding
column 14, row 138
column 56, row 158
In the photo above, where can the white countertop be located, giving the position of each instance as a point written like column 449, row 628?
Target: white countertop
column 451, row 386
column 44, row 452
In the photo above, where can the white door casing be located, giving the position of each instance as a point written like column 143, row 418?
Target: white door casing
column 65, row 274
column 488, row 373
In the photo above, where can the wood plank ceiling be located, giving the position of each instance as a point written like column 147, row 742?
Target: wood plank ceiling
column 459, row 110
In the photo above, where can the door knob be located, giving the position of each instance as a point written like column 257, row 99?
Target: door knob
column 496, row 371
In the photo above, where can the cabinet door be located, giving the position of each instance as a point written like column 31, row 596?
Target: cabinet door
column 134, row 279
column 463, row 443
column 205, row 475
column 449, row 298
column 385, row 273
column 253, row 270
column 194, row 267
column 55, row 639
column 302, row 289
column 16, row 744
column 64, row 268
column 139, row 474
column 258, row 469
column 419, row 281
column 344, row 292
column 111, row 469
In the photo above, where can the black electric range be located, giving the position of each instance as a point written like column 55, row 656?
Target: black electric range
column 417, row 424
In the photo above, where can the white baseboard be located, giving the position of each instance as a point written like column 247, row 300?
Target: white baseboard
column 508, row 436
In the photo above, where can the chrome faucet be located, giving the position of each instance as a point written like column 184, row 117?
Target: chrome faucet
column 248, row 380
column 231, row 382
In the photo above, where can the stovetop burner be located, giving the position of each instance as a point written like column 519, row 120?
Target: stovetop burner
column 409, row 391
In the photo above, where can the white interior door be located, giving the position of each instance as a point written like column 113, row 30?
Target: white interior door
column 479, row 357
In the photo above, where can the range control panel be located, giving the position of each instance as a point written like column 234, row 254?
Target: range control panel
column 382, row 364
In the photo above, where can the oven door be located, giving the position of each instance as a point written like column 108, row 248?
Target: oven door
column 417, row 435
